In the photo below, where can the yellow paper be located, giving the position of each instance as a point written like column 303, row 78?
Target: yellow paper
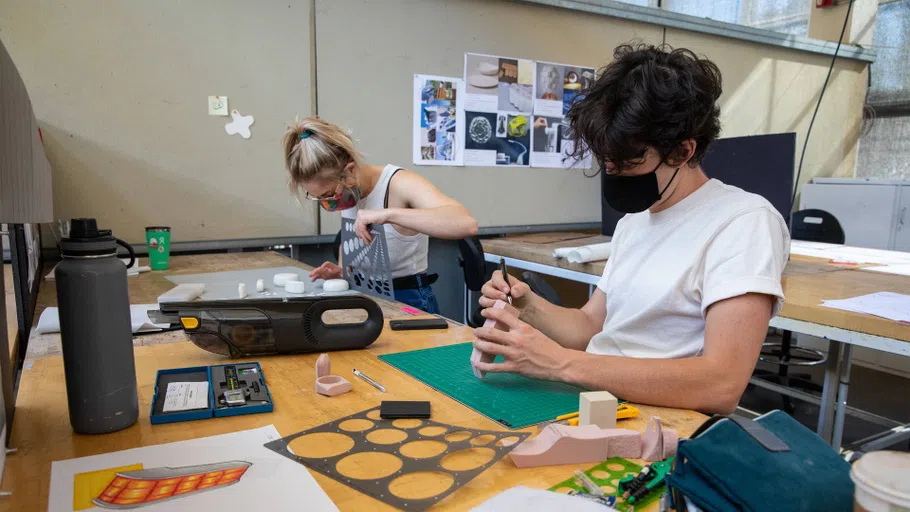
column 87, row 486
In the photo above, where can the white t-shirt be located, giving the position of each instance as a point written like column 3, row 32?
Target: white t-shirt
column 666, row 268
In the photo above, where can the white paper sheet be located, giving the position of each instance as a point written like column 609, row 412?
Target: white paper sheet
column 893, row 306
column 271, row 482
column 848, row 253
column 438, row 120
column 898, row 270
column 526, row 499
column 49, row 321
column 186, row 396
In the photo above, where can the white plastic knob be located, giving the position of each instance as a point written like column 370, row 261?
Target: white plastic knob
column 283, row 278
column 294, row 287
column 260, row 285
column 335, row 285
column 241, row 291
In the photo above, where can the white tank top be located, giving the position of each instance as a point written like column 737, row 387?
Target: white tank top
column 407, row 254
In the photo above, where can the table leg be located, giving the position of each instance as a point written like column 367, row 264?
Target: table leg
column 842, row 389
column 467, row 302
column 829, row 391
column 591, row 289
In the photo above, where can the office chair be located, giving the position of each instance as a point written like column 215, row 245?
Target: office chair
column 816, row 226
column 812, row 226
column 474, row 265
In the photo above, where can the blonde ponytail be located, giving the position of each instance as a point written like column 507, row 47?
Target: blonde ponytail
column 313, row 147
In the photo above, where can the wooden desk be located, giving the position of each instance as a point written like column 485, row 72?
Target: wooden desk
column 806, row 281
column 42, row 433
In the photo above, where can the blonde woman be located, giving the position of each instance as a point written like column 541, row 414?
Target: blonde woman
column 322, row 160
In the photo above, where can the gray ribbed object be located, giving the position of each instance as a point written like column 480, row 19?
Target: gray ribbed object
column 25, row 174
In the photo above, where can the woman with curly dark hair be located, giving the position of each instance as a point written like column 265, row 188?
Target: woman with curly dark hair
column 682, row 309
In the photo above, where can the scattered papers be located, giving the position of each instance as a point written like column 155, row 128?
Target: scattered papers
column 890, row 305
column 849, row 254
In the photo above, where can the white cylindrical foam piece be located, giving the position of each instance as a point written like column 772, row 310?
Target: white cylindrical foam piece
column 260, row 285
column 294, row 287
column 335, row 285
column 241, row 290
column 588, row 253
column 283, row 278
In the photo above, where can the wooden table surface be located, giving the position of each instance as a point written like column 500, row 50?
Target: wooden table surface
column 42, row 434
column 806, row 281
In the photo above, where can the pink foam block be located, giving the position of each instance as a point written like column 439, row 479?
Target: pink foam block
column 477, row 355
column 658, row 443
column 323, row 366
column 561, row 444
column 332, row 385
column 623, row 443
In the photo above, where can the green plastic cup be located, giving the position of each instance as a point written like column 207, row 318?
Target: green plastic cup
column 159, row 244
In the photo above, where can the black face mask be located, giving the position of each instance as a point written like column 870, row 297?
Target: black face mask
column 633, row 194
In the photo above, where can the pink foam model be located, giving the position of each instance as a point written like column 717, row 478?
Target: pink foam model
column 326, row 384
column 323, row 366
column 657, row 443
column 561, row 444
column 623, row 443
column 477, row 355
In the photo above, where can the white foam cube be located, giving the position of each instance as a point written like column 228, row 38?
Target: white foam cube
column 597, row 408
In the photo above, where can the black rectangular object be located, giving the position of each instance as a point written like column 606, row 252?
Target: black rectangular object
column 761, row 164
column 391, row 410
column 418, row 324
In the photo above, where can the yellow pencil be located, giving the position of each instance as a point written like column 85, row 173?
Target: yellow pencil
column 567, row 416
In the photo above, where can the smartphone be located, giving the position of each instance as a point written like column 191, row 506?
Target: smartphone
column 418, row 324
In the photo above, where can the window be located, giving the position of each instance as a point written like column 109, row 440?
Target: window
column 890, row 73
column 788, row 16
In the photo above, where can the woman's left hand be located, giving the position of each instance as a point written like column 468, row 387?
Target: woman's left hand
column 364, row 219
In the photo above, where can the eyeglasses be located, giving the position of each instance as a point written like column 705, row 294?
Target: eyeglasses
column 330, row 202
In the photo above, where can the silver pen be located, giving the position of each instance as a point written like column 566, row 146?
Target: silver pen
column 370, row 381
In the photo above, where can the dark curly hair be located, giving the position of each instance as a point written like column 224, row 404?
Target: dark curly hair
column 648, row 96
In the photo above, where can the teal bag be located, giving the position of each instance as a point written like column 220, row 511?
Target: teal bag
column 772, row 463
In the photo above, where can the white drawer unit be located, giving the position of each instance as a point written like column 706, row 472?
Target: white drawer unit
column 873, row 213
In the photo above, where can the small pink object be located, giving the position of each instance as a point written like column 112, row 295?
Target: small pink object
column 326, row 384
column 323, row 366
column 657, row 443
column 332, row 385
column 411, row 311
column 561, row 444
column 477, row 355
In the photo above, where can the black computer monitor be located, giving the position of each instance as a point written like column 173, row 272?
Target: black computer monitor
column 761, row 164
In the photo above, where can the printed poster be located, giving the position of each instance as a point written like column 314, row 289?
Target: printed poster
column 499, row 101
column 438, row 116
column 559, row 86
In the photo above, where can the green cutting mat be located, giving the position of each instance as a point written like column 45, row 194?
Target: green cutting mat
column 607, row 475
column 511, row 400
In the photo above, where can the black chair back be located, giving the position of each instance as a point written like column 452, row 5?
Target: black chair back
column 472, row 263
column 816, row 226
column 541, row 287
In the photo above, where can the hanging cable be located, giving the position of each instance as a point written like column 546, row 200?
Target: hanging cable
column 802, row 156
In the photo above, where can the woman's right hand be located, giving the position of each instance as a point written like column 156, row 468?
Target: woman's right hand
column 327, row 270
column 497, row 288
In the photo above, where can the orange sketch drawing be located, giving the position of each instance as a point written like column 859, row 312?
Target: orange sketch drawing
column 132, row 489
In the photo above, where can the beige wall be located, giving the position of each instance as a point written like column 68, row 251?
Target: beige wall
column 774, row 90
column 120, row 90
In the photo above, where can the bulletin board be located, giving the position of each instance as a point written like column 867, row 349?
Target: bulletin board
column 365, row 75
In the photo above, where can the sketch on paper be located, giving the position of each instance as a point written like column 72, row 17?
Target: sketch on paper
column 131, row 487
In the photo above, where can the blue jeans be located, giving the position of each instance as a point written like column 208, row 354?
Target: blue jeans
column 421, row 298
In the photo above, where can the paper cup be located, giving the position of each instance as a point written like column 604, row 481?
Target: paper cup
column 159, row 245
column 882, row 482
